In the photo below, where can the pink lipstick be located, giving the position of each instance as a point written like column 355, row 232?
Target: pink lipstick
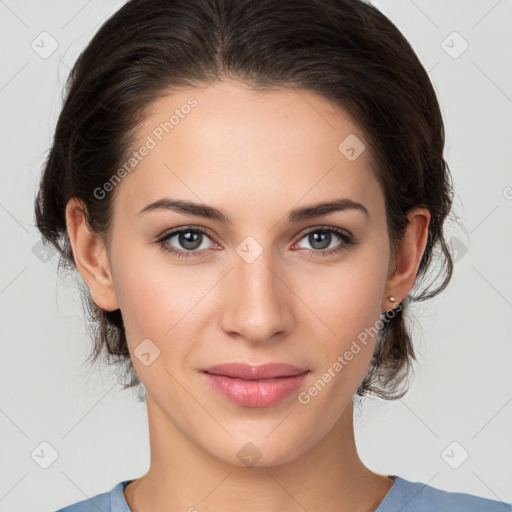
column 255, row 386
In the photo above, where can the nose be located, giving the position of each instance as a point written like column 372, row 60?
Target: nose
column 260, row 304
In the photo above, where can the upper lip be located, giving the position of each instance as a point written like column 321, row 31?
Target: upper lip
column 251, row 372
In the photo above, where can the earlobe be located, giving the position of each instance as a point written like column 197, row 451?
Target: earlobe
column 407, row 257
column 90, row 256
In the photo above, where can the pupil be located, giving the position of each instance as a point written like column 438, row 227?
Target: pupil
column 187, row 240
column 323, row 237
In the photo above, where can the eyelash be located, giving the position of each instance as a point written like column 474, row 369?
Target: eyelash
column 346, row 238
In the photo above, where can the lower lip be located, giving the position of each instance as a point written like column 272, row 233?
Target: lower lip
column 255, row 393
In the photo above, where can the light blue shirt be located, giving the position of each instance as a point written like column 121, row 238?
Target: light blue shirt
column 403, row 496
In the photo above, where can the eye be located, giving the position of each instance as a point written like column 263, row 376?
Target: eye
column 189, row 241
column 193, row 242
column 321, row 240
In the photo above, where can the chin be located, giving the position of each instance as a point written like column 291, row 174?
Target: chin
column 256, row 454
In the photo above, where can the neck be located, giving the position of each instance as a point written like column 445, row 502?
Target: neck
column 328, row 476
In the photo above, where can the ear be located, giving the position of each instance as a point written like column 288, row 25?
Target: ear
column 90, row 256
column 406, row 260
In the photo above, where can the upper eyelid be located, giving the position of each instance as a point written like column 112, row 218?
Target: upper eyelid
column 325, row 228
column 175, row 231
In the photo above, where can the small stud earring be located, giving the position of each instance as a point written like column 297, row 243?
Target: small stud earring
column 392, row 299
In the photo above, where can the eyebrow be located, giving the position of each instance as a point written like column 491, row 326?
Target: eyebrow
column 296, row 215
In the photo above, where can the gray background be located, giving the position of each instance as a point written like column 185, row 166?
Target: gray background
column 460, row 401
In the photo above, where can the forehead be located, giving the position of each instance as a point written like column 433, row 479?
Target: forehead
column 231, row 144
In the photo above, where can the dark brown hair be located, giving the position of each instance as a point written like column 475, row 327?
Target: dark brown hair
column 343, row 50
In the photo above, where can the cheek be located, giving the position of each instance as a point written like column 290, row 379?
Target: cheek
column 166, row 304
column 348, row 299
column 347, row 306
column 154, row 309
column 344, row 354
column 154, row 296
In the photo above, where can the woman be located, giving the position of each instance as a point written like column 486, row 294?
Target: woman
column 250, row 191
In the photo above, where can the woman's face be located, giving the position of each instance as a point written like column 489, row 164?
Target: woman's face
column 261, row 285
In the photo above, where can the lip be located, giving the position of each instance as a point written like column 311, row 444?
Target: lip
column 255, row 386
column 255, row 372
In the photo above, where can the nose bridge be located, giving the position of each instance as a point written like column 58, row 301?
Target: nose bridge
column 259, row 304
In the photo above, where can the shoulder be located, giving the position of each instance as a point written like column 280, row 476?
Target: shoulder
column 111, row 501
column 408, row 496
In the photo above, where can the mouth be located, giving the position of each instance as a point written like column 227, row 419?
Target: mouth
column 272, row 379
column 250, row 372
column 250, row 386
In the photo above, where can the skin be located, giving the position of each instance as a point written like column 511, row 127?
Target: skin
column 255, row 155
